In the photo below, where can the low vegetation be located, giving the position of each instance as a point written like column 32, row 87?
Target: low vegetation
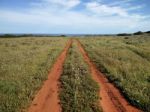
column 126, row 63
column 138, row 33
column 124, row 34
column 24, row 65
column 139, row 45
column 78, row 90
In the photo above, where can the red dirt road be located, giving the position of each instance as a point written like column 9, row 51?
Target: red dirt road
column 111, row 98
column 47, row 99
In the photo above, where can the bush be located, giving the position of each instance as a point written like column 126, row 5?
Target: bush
column 138, row 33
column 147, row 32
column 124, row 34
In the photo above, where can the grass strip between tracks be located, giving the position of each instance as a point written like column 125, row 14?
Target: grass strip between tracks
column 78, row 91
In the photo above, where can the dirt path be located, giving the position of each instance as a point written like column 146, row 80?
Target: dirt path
column 111, row 98
column 47, row 99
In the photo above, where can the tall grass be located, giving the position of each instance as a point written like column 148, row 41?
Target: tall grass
column 24, row 65
column 126, row 65
column 79, row 93
column 139, row 45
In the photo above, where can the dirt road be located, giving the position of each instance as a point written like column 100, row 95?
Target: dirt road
column 111, row 98
column 47, row 99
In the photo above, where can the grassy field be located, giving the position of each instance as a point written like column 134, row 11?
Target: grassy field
column 78, row 90
column 24, row 65
column 126, row 62
column 25, row 62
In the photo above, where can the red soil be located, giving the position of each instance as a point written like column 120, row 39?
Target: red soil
column 47, row 99
column 111, row 98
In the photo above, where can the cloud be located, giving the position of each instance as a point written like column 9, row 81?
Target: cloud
column 59, row 16
column 120, row 2
column 109, row 10
column 127, row 5
column 135, row 7
column 63, row 4
column 103, row 10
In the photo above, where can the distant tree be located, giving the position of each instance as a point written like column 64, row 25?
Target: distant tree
column 124, row 34
column 147, row 32
column 138, row 33
column 63, row 35
column 7, row 36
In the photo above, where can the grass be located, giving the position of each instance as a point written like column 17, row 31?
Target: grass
column 79, row 92
column 139, row 45
column 25, row 62
column 125, row 61
column 24, row 65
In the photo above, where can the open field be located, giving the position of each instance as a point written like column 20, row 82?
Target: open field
column 125, row 62
column 24, row 64
column 44, row 74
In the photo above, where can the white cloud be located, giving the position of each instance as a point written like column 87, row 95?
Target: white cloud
column 124, row 2
column 135, row 7
column 127, row 5
column 108, row 11
column 63, row 4
column 56, row 15
column 103, row 10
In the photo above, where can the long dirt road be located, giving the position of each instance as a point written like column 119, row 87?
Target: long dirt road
column 47, row 99
column 111, row 98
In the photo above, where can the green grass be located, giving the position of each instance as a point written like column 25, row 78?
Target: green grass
column 125, row 61
column 24, row 65
column 79, row 93
column 25, row 62
column 139, row 45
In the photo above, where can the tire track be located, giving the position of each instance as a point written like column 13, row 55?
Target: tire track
column 111, row 98
column 46, row 100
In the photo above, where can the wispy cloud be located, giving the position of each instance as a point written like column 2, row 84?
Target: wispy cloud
column 103, row 10
column 127, row 5
column 109, row 9
column 62, row 4
column 120, row 2
column 61, row 16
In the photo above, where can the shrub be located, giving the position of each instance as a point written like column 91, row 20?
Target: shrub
column 124, row 34
column 138, row 33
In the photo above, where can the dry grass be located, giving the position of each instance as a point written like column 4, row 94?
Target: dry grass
column 24, row 65
column 125, row 61
column 78, row 90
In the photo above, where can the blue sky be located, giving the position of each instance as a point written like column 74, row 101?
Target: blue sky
column 74, row 16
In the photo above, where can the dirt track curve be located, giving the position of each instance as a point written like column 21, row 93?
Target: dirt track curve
column 47, row 99
column 111, row 98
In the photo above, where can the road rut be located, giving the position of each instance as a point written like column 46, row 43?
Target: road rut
column 111, row 98
column 47, row 99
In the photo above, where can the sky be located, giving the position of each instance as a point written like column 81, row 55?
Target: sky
column 74, row 16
